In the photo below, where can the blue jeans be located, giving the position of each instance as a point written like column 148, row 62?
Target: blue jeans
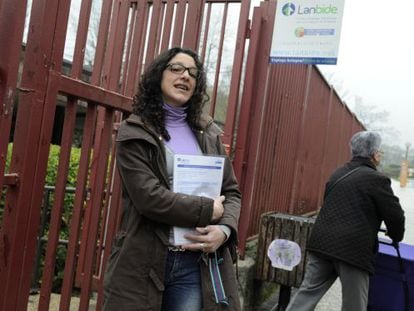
column 182, row 282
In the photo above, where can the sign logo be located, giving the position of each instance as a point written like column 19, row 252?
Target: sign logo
column 288, row 9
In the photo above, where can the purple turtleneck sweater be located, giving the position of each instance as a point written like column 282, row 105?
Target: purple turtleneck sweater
column 182, row 139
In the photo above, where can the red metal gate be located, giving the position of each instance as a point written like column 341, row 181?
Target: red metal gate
column 131, row 33
column 292, row 127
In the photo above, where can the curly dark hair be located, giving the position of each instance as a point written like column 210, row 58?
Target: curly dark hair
column 148, row 102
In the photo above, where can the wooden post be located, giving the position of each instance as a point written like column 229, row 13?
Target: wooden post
column 404, row 168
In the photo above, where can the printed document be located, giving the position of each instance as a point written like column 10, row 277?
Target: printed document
column 196, row 175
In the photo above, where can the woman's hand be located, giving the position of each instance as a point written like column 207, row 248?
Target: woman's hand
column 208, row 240
column 218, row 208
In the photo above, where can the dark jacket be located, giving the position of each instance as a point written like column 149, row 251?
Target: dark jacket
column 347, row 225
column 134, row 279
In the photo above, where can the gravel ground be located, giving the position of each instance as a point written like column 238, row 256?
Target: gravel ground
column 54, row 303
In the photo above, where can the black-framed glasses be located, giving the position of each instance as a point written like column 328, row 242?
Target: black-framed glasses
column 180, row 69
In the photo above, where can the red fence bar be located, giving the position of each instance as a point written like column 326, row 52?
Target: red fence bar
column 169, row 11
column 99, row 167
column 12, row 15
column 193, row 24
column 240, row 157
column 218, row 64
column 236, row 75
column 179, row 23
column 113, row 218
column 152, row 36
column 75, row 224
column 135, row 55
column 258, row 91
column 105, row 20
column 115, row 48
column 324, row 171
column 81, row 36
column 56, row 212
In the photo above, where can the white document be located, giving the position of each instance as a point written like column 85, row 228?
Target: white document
column 196, row 175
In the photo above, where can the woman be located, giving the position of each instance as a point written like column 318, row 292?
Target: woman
column 146, row 270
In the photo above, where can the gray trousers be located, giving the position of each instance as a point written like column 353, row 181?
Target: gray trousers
column 321, row 274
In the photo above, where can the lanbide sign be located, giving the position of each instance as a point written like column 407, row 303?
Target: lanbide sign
column 307, row 32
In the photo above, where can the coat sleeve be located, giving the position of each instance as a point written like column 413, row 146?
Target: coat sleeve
column 140, row 176
column 230, row 190
column 390, row 209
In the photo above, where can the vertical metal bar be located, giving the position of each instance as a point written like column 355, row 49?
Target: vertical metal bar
column 324, row 169
column 243, row 137
column 152, row 38
column 136, row 50
column 247, row 101
column 200, row 24
column 97, row 181
column 143, row 8
column 115, row 48
column 81, row 37
column 218, row 64
column 101, row 41
column 206, row 29
column 113, row 221
column 167, row 25
column 107, row 205
column 12, row 16
column 266, row 19
column 103, row 78
column 193, row 24
column 179, row 23
column 45, row 208
column 125, row 65
column 159, row 29
column 76, row 220
column 296, row 155
column 229, row 126
column 56, row 213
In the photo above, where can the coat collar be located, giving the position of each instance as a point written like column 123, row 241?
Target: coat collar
column 359, row 161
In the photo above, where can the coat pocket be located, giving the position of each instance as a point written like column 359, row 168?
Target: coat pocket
column 156, row 280
column 117, row 244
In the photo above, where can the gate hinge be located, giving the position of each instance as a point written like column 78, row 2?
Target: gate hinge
column 248, row 29
column 11, row 179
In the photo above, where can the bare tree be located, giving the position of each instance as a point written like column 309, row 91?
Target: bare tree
column 375, row 119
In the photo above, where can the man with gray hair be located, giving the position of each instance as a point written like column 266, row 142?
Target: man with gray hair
column 344, row 240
